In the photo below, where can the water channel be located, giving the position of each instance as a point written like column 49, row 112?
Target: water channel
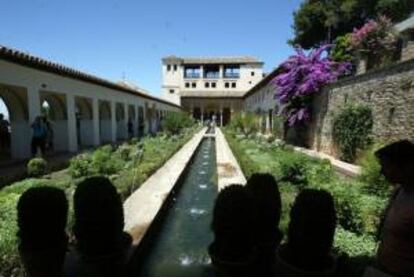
column 179, row 247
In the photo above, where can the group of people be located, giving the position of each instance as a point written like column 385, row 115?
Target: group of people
column 42, row 135
column 247, row 239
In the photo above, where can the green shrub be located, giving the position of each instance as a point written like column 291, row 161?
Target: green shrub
column 124, row 152
column 352, row 128
column 293, row 168
column 37, row 167
column 246, row 123
column 104, row 162
column 174, row 123
column 354, row 245
column 277, row 128
column 81, row 166
column 375, row 182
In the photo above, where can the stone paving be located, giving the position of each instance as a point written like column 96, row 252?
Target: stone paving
column 143, row 205
column 228, row 169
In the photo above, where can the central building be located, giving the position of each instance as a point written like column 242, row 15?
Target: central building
column 210, row 86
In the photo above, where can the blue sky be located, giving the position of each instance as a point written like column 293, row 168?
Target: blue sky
column 115, row 38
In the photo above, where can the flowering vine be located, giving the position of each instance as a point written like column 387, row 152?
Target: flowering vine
column 302, row 77
column 375, row 36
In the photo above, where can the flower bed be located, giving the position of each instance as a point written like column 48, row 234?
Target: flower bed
column 128, row 166
column 359, row 211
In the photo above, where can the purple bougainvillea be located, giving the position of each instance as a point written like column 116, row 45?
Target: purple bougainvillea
column 302, row 76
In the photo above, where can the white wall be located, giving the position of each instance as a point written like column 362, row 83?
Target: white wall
column 33, row 81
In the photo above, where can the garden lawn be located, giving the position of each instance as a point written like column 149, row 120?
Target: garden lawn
column 359, row 212
column 128, row 166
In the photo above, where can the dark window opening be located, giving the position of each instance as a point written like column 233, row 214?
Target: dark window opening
column 194, row 85
column 233, row 85
column 232, row 71
column 211, row 72
column 187, row 85
column 172, row 91
column 175, row 67
column 213, row 85
column 226, row 85
column 252, row 73
column 191, row 72
column 207, row 85
column 169, row 67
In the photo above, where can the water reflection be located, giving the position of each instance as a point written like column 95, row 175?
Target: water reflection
column 180, row 248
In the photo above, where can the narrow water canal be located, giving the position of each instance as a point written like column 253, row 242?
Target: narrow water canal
column 180, row 246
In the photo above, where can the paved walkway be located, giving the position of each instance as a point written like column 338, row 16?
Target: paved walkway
column 144, row 204
column 228, row 169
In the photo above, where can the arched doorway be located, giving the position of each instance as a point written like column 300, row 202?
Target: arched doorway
column 5, row 131
column 141, row 121
column 131, row 124
column 84, row 121
column 121, row 124
column 53, row 109
column 16, row 127
column 105, row 125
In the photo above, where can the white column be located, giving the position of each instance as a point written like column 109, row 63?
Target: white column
column 96, row 119
column 113, row 121
column 33, row 101
column 221, row 117
column 202, row 114
column 72, row 130
column 267, row 123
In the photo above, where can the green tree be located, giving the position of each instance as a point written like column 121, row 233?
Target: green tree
column 319, row 21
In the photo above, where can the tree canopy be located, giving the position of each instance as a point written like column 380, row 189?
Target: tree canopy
column 320, row 21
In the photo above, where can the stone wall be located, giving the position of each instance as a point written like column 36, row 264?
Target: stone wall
column 388, row 91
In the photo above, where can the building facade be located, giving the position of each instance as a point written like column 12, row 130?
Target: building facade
column 210, row 88
column 83, row 110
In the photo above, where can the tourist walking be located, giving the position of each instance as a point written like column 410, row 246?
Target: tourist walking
column 39, row 136
column 4, row 133
column 49, row 133
column 396, row 252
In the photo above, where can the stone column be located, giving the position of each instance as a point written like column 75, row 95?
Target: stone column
column 72, row 130
column 202, row 114
column 221, row 117
column 113, row 121
column 96, row 119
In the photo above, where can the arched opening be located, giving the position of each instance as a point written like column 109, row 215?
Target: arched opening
column 53, row 110
column 141, row 121
column 105, row 125
column 121, row 124
column 84, row 122
column 132, row 124
column 5, row 131
column 15, row 137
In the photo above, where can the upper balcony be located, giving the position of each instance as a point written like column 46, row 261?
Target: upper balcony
column 231, row 72
column 192, row 72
